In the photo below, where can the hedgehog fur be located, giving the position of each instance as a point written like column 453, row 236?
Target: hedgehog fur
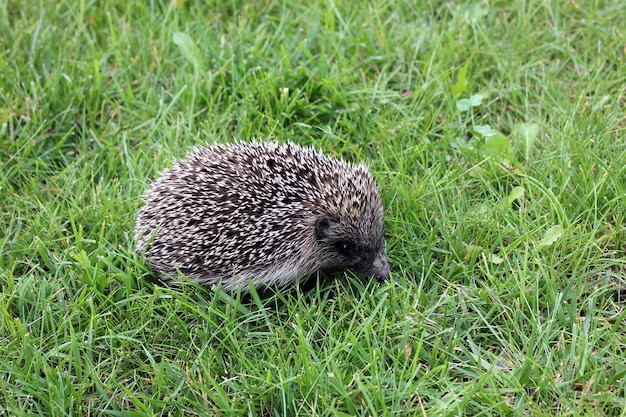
column 261, row 213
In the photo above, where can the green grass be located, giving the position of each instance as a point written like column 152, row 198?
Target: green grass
column 496, row 131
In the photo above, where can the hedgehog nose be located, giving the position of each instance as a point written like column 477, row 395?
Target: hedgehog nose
column 380, row 268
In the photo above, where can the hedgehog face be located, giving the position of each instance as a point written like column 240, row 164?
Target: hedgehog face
column 346, row 245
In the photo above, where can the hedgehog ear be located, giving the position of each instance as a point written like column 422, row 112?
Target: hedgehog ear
column 322, row 225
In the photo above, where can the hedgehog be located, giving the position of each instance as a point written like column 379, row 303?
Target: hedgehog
column 262, row 214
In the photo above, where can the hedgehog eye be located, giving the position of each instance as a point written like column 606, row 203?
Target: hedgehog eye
column 346, row 248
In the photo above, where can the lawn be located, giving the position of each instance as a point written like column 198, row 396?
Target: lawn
column 496, row 132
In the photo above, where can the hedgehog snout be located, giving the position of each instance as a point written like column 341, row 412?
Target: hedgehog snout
column 380, row 268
